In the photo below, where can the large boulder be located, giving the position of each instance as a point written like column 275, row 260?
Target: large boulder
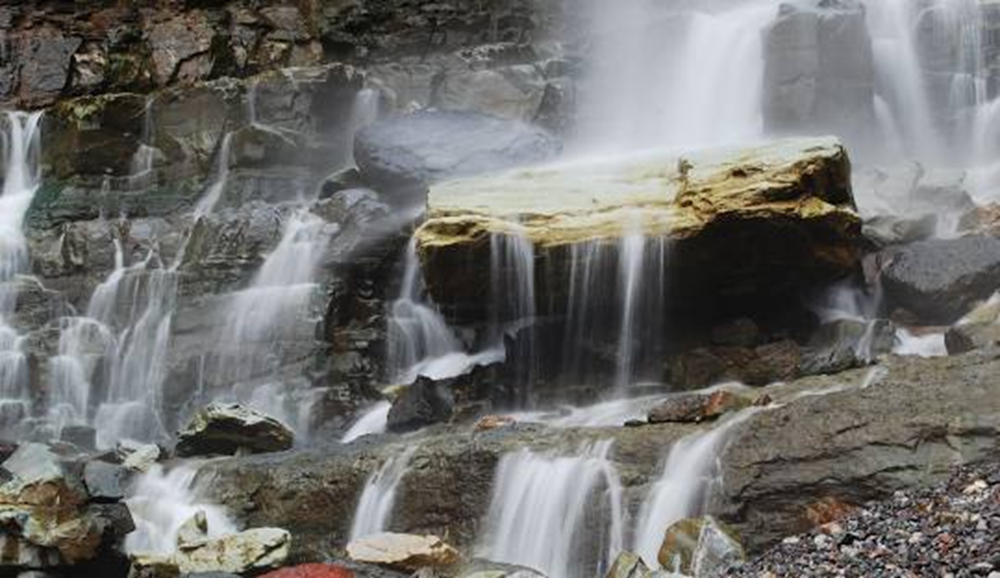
column 700, row 547
column 250, row 551
column 403, row 551
column 938, row 280
column 818, row 69
column 228, row 428
column 779, row 216
column 421, row 148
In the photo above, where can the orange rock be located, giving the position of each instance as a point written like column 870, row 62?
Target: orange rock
column 311, row 571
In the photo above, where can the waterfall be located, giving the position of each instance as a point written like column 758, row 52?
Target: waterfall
column 543, row 507
column 218, row 186
column 22, row 178
column 374, row 510
column 633, row 247
column 661, row 76
column 691, row 472
column 161, row 502
column 372, row 421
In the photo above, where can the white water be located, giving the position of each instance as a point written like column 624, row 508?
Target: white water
column 374, row 510
column 689, row 475
column 161, row 501
column 372, row 421
column 216, row 189
column 22, row 178
column 541, row 513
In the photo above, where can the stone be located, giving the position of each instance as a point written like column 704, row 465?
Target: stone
column 250, row 551
column 104, row 480
column 137, row 456
column 696, row 407
column 742, row 332
column 83, row 437
column 938, row 280
column 176, row 40
column 715, row 206
column 886, row 230
column 38, row 477
column 847, row 343
column 227, row 428
column 406, row 552
column 193, row 531
column 966, row 337
column 414, row 150
column 311, row 571
column 700, row 547
column 492, row 422
column 628, row 565
column 46, row 56
column 424, row 403
column 345, row 179
column 819, row 71
column 983, row 220
column 761, row 365
column 510, row 92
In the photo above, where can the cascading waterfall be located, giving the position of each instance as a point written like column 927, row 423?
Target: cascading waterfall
column 374, row 510
column 22, row 178
column 162, row 501
column 689, row 475
column 543, row 506
column 373, row 421
column 218, row 186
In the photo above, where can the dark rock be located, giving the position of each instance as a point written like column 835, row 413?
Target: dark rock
column 939, row 279
column 346, row 179
column 415, row 150
column 764, row 364
column 226, row 429
column 742, row 332
column 423, row 403
column 104, row 480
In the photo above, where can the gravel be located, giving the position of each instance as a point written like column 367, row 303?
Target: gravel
column 952, row 530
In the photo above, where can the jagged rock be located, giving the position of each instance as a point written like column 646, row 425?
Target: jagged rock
column 38, row 477
column 177, row 40
column 819, row 70
column 407, row 552
column 847, row 343
column 938, row 280
column 697, row 407
column 421, row 148
column 137, row 456
column 700, row 547
column 250, row 551
column 424, row 403
column 629, row 565
column 767, row 212
column 228, row 428
column 193, row 531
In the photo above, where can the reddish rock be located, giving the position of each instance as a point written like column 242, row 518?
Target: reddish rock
column 311, row 571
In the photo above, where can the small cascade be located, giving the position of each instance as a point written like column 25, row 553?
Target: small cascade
column 689, row 476
column 22, row 178
column 374, row 510
column 372, row 421
column 161, row 501
column 218, row 186
column 141, row 169
column 261, row 322
column 559, row 515
column 512, row 300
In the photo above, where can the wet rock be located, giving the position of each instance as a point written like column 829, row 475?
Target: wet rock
column 94, row 135
column 104, row 480
column 700, row 547
column 349, row 178
column 715, row 206
column 938, row 280
column 424, row 403
column 761, row 365
column 421, row 148
column 226, row 429
column 250, row 551
column 847, row 343
column 193, row 531
column 403, row 551
column 38, row 477
column 137, row 456
column 819, row 70
column 697, row 407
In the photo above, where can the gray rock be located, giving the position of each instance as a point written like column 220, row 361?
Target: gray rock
column 966, row 337
column 421, row 148
column 423, row 403
column 226, row 429
column 250, row 551
column 938, row 280
column 104, row 480
column 847, row 343
column 83, row 437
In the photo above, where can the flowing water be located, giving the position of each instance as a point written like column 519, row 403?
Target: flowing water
column 374, row 510
column 561, row 515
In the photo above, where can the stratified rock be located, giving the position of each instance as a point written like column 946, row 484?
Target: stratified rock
column 407, row 552
column 250, row 551
column 819, row 72
column 697, row 407
column 427, row 147
column 780, row 216
column 700, row 547
column 424, row 403
column 938, row 280
column 228, row 428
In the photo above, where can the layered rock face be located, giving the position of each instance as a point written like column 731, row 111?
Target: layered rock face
column 780, row 216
